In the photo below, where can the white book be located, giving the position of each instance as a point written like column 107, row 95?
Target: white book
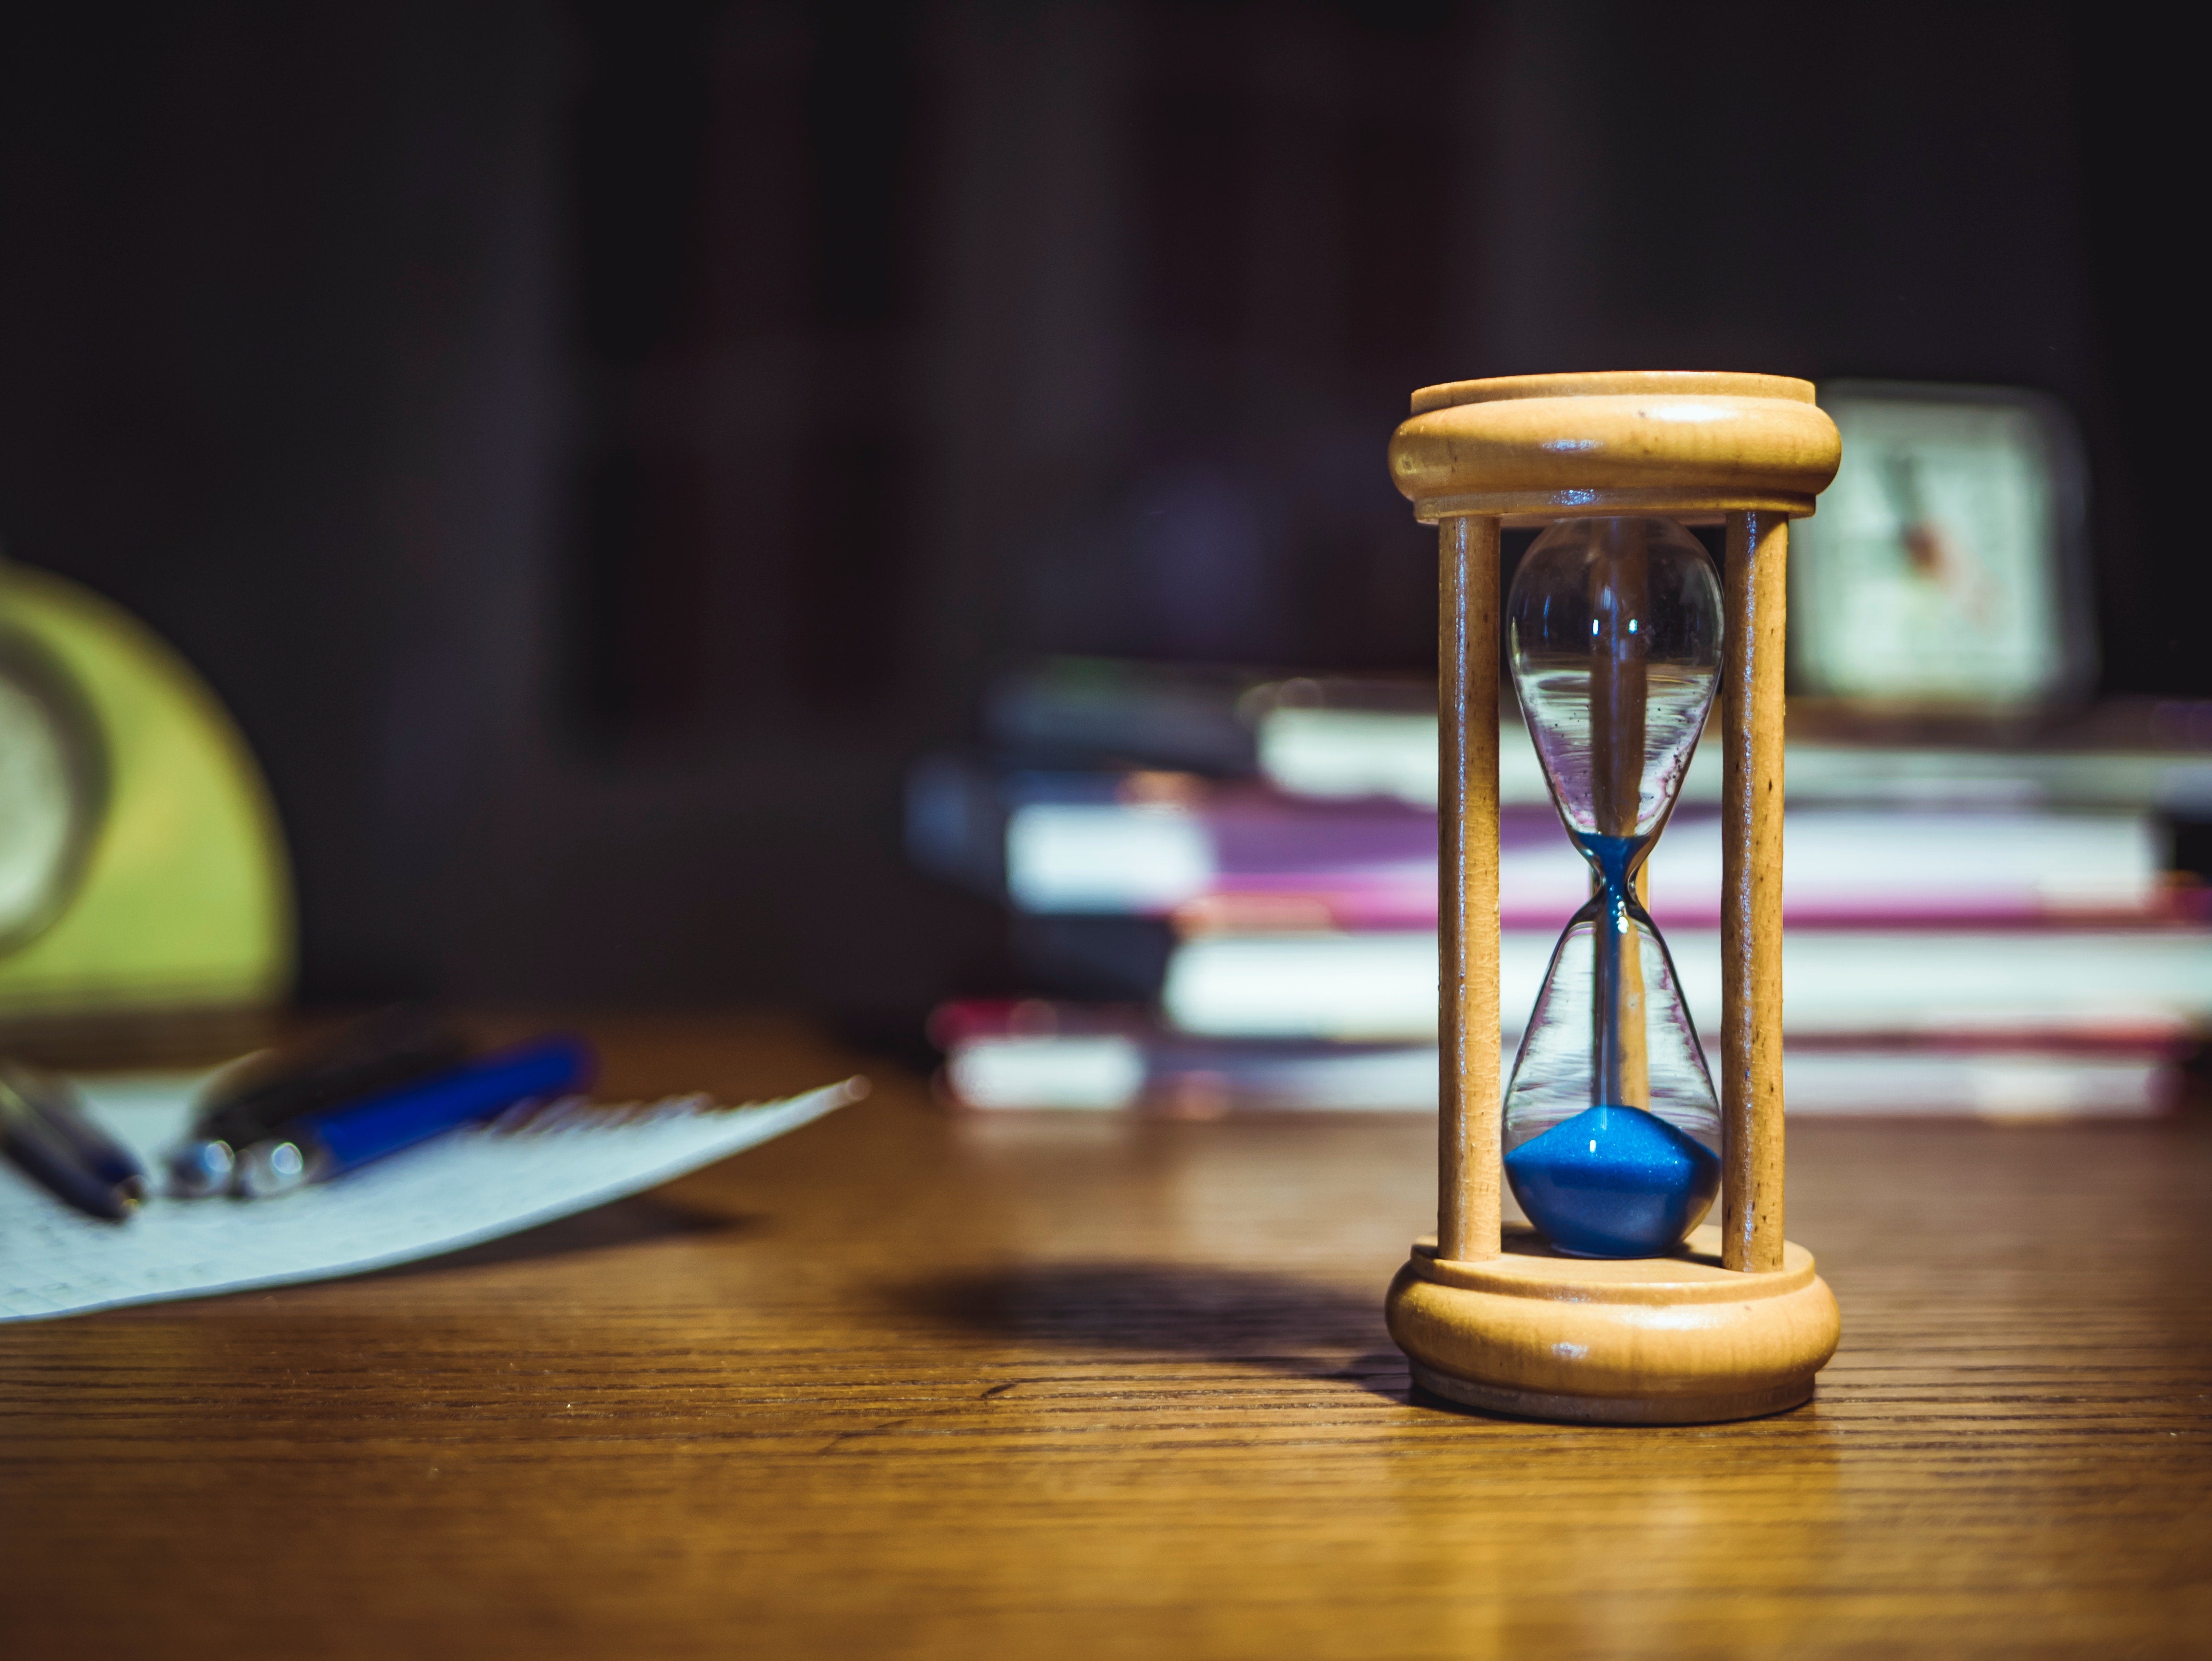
column 1839, row 865
column 1112, row 1072
column 2155, row 984
column 1341, row 753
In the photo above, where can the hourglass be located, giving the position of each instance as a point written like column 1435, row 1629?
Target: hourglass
column 1613, row 1304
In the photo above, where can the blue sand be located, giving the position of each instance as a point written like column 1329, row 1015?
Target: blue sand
column 1613, row 1182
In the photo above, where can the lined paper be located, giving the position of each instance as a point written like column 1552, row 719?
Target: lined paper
column 466, row 1187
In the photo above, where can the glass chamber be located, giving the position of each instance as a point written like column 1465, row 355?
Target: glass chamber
column 1612, row 1130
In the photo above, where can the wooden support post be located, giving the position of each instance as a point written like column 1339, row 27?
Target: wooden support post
column 1468, row 1171
column 1751, row 891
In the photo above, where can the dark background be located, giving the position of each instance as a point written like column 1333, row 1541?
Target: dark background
column 592, row 447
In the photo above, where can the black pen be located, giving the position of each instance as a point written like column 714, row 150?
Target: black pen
column 47, row 1134
column 263, row 1095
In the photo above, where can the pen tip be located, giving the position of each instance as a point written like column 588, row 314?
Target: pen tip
column 200, row 1169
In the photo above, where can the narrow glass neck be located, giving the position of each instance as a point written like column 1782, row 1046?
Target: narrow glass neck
column 1615, row 860
column 1620, row 1071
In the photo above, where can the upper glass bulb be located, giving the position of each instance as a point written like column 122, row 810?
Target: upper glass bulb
column 1614, row 630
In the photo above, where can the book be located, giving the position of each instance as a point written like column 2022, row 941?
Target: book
column 1215, row 856
column 1345, row 738
column 1326, row 752
column 2149, row 984
column 1029, row 1054
column 1110, row 713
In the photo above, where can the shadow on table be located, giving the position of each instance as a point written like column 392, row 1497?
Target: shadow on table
column 1229, row 1316
column 639, row 1220
column 1234, row 1316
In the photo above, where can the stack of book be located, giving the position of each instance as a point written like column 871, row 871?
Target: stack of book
column 1223, row 892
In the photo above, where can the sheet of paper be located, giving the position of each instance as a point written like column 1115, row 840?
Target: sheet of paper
column 466, row 1187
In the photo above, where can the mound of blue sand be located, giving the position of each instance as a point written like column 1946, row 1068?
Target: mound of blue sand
column 1613, row 1182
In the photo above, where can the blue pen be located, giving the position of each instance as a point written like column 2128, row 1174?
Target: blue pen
column 324, row 1144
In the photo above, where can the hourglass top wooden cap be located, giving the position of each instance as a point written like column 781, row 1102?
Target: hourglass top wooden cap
column 1688, row 444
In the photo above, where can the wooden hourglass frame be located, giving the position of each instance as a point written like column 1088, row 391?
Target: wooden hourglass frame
column 1735, row 1323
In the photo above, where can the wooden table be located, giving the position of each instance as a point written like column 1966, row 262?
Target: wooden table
column 909, row 1385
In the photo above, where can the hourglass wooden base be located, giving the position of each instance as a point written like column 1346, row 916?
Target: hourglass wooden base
column 1679, row 1340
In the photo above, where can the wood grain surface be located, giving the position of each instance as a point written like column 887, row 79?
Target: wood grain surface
column 910, row 1386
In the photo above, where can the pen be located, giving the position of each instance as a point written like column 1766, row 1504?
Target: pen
column 47, row 1134
column 324, row 1144
column 258, row 1099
